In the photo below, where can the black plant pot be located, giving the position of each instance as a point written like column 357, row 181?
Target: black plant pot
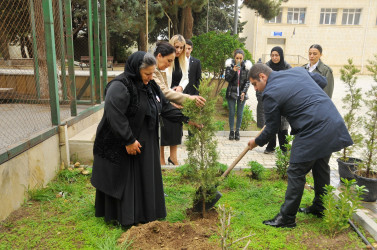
column 198, row 204
column 346, row 168
column 370, row 184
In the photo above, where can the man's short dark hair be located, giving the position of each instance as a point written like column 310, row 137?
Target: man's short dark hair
column 257, row 69
column 189, row 42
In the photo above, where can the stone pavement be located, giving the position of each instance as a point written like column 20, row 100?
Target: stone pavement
column 229, row 150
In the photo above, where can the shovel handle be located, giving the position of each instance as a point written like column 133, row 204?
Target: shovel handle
column 234, row 163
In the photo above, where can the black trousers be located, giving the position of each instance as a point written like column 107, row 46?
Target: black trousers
column 296, row 182
column 281, row 136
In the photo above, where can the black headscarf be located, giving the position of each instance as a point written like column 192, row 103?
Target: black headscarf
column 132, row 68
column 281, row 64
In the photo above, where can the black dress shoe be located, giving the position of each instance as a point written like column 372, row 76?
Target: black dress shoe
column 280, row 221
column 310, row 210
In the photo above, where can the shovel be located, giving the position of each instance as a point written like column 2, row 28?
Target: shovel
column 210, row 203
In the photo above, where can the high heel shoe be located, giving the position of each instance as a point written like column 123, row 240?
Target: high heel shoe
column 170, row 161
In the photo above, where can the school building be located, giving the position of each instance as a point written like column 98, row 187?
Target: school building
column 344, row 28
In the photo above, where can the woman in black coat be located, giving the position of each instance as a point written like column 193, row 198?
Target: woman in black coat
column 236, row 93
column 126, row 167
column 278, row 63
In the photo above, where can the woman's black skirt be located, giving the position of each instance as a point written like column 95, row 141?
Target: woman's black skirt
column 171, row 133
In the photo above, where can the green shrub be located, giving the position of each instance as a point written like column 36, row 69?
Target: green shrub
column 257, row 170
column 247, row 117
column 219, row 125
column 282, row 158
column 223, row 96
column 338, row 211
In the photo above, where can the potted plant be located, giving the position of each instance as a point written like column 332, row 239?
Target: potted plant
column 366, row 175
column 351, row 102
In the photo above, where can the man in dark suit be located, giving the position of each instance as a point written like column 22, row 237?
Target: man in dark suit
column 194, row 69
column 316, row 123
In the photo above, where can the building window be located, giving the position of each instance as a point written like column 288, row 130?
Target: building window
column 276, row 19
column 296, row 15
column 351, row 16
column 328, row 16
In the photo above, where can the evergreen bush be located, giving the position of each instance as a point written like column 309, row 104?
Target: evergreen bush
column 202, row 145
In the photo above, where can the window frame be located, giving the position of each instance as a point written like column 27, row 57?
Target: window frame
column 355, row 14
column 329, row 13
column 296, row 15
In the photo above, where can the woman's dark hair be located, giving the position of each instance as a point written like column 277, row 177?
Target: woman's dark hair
column 238, row 51
column 164, row 48
column 316, row 46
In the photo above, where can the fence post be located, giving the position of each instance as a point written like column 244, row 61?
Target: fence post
column 103, row 46
column 35, row 50
column 70, row 56
column 90, row 49
column 51, row 61
column 97, row 65
column 62, row 50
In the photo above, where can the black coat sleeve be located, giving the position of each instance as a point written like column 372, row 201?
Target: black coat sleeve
column 117, row 101
column 198, row 73
column 170, row 112
column 246, row 85
column 230, row 75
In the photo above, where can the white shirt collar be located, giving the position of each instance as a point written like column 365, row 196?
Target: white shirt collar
column 311, row 68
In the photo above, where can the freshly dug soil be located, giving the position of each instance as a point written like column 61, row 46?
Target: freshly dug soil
column 191, row 234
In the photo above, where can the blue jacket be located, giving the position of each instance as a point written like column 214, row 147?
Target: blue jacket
column 317, row 125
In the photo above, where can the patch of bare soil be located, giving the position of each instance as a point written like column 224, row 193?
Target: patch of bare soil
column 191, row 234
column 323, row 242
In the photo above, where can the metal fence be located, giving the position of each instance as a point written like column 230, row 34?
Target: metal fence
column 37, row 68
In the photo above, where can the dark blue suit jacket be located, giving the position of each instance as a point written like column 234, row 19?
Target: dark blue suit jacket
column 317, row 125
column 195, row 76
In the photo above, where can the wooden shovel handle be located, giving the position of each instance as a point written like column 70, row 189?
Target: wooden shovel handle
column 234, row 163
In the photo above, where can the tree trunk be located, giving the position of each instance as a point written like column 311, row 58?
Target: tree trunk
column 175, row 25
column 182, row 21
column 188, row 21
column 41, row 50
column 4, row 49
column 142, row 43
column 29, row 46
column 22, row 46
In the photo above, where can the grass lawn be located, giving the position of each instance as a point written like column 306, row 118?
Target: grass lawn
column 61, row 216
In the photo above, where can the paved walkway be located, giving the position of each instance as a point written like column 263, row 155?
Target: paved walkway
column 229, row 150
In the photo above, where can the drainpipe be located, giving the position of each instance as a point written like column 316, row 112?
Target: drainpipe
column 365, row 38
column 256, row 35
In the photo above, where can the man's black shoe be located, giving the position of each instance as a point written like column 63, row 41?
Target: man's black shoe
column 279, row 221
column 309, row 210
column 237, row 136
column 231, row 135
